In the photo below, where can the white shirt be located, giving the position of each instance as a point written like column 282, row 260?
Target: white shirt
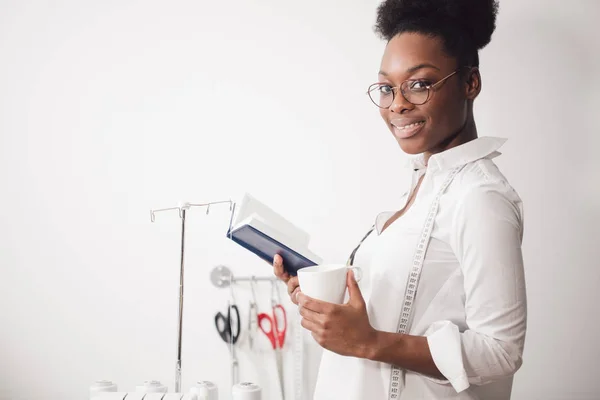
column 470, row 302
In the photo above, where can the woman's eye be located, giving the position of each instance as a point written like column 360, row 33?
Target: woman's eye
column 385, row 89
column 419, row 86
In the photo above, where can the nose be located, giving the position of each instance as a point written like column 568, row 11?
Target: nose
column 400, row 104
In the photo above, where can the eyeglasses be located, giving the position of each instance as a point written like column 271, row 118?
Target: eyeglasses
column 415, row 91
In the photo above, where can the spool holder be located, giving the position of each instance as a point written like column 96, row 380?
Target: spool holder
column 182, row 209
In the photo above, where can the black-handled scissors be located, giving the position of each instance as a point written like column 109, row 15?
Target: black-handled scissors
column 225, row 327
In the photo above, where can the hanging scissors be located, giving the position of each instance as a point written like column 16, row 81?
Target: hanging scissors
column 274, row 327
column 225, row 327
column 252, row 315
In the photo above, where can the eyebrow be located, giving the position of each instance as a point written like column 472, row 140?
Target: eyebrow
column 413, row 69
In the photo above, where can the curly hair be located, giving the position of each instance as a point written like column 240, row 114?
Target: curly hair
column 464, row 26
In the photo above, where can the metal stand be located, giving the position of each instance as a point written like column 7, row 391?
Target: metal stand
column 182, row 214
column 222, row 277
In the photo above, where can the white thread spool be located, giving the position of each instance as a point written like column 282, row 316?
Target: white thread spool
column 135, row 396
column 151, row 387
column 246, row 391
column 205, row 390
column 154, row 396
column 111, row 396
column 175, row 396
column 102, row 386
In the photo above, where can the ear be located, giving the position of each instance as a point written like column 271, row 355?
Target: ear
column 473, row 83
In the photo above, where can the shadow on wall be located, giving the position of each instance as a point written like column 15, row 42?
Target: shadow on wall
column 549, row 91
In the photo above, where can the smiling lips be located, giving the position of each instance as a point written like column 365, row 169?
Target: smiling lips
column 404, row 128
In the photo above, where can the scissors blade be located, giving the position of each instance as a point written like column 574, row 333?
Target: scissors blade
column 235, row 367
column 252, row 324
column 279, row 357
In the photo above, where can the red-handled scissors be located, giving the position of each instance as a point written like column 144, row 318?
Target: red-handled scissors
column 275, row 327
column 272, row 327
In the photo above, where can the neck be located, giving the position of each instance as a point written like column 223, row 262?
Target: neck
column 465, row 134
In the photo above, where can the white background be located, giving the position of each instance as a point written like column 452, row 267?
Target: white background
column 109, row 109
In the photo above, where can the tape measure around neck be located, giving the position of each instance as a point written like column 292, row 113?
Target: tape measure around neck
column 298, row 357
column 413, row 279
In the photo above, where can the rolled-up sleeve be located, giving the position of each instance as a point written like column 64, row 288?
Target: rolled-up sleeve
column 487, row 236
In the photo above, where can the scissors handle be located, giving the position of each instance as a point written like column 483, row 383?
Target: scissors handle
column 224, row 325
column 280, row 330
column 234, row 333
column 268, row 330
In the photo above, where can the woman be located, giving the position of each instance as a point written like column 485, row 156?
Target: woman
column 457, row 236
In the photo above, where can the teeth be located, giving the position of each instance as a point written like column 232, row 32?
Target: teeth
column 411, row 125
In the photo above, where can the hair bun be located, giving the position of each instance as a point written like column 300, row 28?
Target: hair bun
column 474, row 18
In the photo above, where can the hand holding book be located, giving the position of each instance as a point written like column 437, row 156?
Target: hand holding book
column 266, row 233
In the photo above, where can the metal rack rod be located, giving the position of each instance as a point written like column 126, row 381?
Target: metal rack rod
column 222, row 277
column 254, row 279
column 182, row 210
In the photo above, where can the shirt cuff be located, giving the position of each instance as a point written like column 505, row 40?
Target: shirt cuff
column 445, row 346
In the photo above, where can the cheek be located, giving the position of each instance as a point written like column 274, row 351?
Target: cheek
column 447, row 114
column 384, row 115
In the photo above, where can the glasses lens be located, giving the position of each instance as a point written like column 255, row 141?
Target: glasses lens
column 415, row 92
column 381, row 95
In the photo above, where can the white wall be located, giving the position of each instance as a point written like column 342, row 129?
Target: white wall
column 108, row 109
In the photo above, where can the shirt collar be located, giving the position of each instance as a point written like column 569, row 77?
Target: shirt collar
column 483, row 147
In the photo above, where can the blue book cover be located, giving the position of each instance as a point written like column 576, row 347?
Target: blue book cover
column 266, row 233
column 266, row 247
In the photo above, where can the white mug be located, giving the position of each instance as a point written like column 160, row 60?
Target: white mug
column 326, row 282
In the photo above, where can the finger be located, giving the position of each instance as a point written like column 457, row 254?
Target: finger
column 310, row 315
column 311, row 326
column 294, row 295
column 292, row 284
column 356, row 297
column 279, row 270
column 315, row 305
column 319, row 339
column 293, row 287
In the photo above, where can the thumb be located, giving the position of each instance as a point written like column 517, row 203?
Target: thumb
column 356, row 297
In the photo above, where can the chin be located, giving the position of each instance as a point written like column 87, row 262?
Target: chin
column 409, row 148
column 414, row 145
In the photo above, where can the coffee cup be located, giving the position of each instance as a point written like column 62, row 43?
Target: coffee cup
column 326, row 282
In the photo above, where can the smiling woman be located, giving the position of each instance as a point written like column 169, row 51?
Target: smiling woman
column 443, row 312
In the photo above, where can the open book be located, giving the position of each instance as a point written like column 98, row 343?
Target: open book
column 266, row 233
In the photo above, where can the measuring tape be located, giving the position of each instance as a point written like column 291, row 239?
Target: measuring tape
column 413, row 279
column 298, row 356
